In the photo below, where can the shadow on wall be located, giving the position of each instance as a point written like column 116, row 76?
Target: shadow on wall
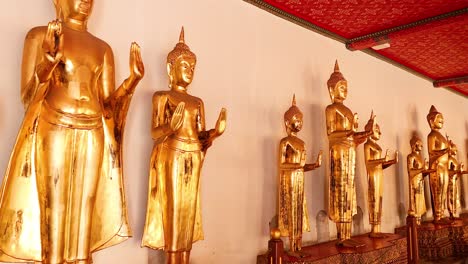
column 156, row 256
column 323, row 227
column 401, row 184
column 358, row 223
column 270, row 182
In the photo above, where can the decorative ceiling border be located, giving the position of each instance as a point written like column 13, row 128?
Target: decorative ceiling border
column 308, row 25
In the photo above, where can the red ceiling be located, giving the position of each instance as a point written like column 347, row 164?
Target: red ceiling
column 437, row 49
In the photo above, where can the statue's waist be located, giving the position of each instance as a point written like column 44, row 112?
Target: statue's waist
column 60, row 118
column 182, row 144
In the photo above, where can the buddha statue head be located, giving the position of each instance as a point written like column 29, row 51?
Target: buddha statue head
column 416, row 143
column 75, row 10
column 374, row 127
column 293, row 118
column 435, row 119
column 181, row 64
column 453, row 149
column 337, row 85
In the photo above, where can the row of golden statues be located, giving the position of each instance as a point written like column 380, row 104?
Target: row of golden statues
column 62, row 196
column 443, row 169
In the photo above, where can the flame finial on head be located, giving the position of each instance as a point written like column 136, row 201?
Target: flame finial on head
column 294, row 100
column 182, row 35
column 337, row 67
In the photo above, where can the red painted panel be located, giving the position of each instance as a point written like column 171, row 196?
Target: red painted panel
column 438, row 50
column 353, row 18
column 462, row 88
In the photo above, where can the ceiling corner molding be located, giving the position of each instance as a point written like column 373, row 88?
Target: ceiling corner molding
column 451, row 81
column 298, row 21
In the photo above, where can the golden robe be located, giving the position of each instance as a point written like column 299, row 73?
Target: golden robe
column 173, row 216
column 20, row 219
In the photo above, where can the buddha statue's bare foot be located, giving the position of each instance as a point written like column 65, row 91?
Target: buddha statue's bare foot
column 350, row 243
column 377, row 235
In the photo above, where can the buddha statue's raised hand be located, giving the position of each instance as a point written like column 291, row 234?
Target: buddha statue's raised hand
column 221, row 123
column 137, row 69
column 52, row 46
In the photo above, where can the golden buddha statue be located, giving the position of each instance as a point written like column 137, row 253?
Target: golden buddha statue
column 173, row 217
column 417, row 170
column 375, row 164
column 62, row 196
column 343, row 139
column 438, row 147
column 293, row 218
column 455, row 171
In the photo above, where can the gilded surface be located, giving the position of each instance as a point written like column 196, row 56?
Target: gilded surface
column 343, row 138
column 455, row 171
column 293, row 218
column 62, row 196
column 417, row 169
column 173, row 217
column 438, row 147
column 375, row 164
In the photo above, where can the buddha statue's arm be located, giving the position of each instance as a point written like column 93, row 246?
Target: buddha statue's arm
column 283, row 164
column 332, row 132
column 388, row 162
column 41, row 54
column 313, row 166
column 208, row 136
column 412, row 171
column 370, row 161
column 435, row 153
column 164, row 124
column 116, row 102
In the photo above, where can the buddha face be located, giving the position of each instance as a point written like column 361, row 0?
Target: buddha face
column 417, row 146
column 376, row 132
column 437, row 122
column 340, row 91
column 74, row 9
column 295, row 124
column 182, row 71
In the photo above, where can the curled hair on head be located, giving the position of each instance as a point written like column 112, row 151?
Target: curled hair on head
column 292, row 111
column 180, row 49
column 414, row 138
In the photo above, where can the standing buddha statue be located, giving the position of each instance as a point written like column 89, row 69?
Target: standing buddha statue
column 438, row 147
column 173, row 217
column 293, row 218
column 343, row 139
column 62, row 196
column 455, row 171
column 417, row 170
column 375, row 164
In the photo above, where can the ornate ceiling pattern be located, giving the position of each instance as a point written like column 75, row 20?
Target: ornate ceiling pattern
column 428, row 38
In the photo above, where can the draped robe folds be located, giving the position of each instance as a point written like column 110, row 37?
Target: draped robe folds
column 291, row 201
column 173, row 216
column 20, row 220
column 417, row 198
column 342, row 203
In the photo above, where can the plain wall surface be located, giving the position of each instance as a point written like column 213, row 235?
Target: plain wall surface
column 250, row 62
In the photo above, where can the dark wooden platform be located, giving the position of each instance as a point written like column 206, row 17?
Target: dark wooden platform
column 438, row 242
column 391, row 249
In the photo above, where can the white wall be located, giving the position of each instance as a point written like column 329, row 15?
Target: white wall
column 250, row 62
